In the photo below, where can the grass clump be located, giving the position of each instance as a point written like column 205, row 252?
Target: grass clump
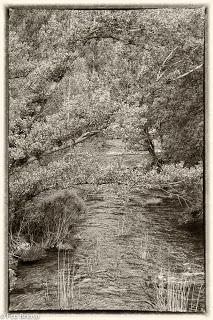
column 65, row 282
column 31, row 253
column 47, row 222
column 50, row 218
column 178, row 294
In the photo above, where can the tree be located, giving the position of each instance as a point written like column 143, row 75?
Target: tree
column 140, row 71
column 170, row 85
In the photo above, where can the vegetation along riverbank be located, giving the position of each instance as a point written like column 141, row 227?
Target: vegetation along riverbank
column 105, row 155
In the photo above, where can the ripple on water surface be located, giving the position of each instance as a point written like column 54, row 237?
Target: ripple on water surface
column 120, row 254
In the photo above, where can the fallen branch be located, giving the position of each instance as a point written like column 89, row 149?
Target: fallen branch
column 82, row 138
column 178, row 196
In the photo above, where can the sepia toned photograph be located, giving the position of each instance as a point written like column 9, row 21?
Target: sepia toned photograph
column 106, row 158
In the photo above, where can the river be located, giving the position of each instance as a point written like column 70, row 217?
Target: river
column 121, row 254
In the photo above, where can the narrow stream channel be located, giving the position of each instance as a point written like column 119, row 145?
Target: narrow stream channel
column 119, row 256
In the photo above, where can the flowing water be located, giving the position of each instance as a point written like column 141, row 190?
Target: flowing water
column 121, row 253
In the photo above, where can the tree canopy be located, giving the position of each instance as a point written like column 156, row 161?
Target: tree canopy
column 75, row 75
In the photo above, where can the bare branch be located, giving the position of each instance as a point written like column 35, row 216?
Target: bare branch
column 82, row 138
column 186, row 74
column 160, row 74
column 108, row 36
column 17, row 74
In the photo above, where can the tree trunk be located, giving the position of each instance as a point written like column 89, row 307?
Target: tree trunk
column 151, row 148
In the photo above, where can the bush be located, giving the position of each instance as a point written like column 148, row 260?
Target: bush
column 174, row 181
column 43, row 223
column 181, row 183
column 48, row 218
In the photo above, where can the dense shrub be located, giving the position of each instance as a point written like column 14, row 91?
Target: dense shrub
column 177, row 181
column 50, row 219
column 174, row 181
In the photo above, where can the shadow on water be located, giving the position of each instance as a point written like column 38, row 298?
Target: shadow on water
column 120, row 253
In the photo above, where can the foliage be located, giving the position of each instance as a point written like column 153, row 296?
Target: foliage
column 173, row 182
column 78, row 75
column 178, row 110
column 179, row 182
column 131, row 121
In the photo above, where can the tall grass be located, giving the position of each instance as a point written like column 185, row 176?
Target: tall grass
column 65, row 281
column 178, row 294
column 144, row 248
column 50, row 220
column 121, row 228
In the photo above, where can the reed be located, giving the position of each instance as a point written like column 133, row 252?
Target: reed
column 65, row 281
column 144, row 248
column 178, row 294
column 47, row 291
column 121, row 228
